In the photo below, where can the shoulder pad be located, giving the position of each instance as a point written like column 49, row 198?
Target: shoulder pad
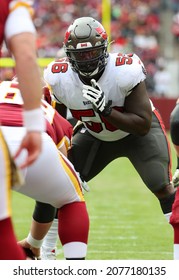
column 54, row 70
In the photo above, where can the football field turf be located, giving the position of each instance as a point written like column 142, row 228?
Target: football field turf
column 126, row 221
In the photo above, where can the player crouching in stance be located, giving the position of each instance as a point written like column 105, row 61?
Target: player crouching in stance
column 51, row 179
column 107, row 93
column 174, row 220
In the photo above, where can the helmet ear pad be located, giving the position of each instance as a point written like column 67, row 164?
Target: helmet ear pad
column 85, row 45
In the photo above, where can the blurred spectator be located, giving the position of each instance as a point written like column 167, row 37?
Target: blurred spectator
column 174, row 5
column 175, row 26
column 145, row 44
column 150, row 84
column 162, row 80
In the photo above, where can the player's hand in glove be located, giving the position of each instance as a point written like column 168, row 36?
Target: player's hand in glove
column 175, row 178
column 95, row 94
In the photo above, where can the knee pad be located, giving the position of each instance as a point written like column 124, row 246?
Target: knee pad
column 167, row 202
column 174, row 219
column 174, row 125
column 44, row 213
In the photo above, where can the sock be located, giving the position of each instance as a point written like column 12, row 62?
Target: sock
column 50, row 240
column 177, row 162
column 9, row 249
column 73, row 228
column 167, row 216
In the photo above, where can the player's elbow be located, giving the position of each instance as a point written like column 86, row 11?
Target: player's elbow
column 146, row 121
column 144, row 132
column 145, row 128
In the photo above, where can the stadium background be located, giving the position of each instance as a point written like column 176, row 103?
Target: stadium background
column 126, row 220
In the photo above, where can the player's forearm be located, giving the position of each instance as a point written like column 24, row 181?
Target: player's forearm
column 39, row 230
column 130, row 122
column 28, row 72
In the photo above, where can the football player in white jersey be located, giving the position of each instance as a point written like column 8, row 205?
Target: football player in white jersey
column 106, row 92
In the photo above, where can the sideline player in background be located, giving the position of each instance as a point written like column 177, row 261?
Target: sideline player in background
column 106, row 92
column 51, row 179
column 17, row 30
column 174, row 132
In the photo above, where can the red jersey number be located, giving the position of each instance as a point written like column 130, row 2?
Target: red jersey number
column 94, row 126
column 123, row 59
column 60, row 66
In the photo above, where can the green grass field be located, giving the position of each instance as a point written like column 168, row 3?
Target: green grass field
column 126, row 221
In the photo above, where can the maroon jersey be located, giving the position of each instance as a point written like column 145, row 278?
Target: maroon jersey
column 11, row 109
column 4, row 11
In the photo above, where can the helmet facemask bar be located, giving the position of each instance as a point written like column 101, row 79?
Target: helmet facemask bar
column 88, row 61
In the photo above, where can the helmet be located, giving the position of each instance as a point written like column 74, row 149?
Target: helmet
column 85, row 45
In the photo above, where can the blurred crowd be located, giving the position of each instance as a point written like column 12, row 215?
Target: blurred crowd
column 135, row 27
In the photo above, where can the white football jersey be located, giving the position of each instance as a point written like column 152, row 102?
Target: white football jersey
column 122, row 73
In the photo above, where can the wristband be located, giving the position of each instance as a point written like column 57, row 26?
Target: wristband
column 34, row 120
column 107, row 109
column 34, row 242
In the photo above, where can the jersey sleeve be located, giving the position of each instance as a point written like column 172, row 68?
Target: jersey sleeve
column 139, row 74
column 49, row 76
column 52, row 81
column 58, row 127
column 63, row 130
column 19, row 19
column 133, row 74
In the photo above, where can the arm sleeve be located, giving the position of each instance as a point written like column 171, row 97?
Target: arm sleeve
column 19, row 21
